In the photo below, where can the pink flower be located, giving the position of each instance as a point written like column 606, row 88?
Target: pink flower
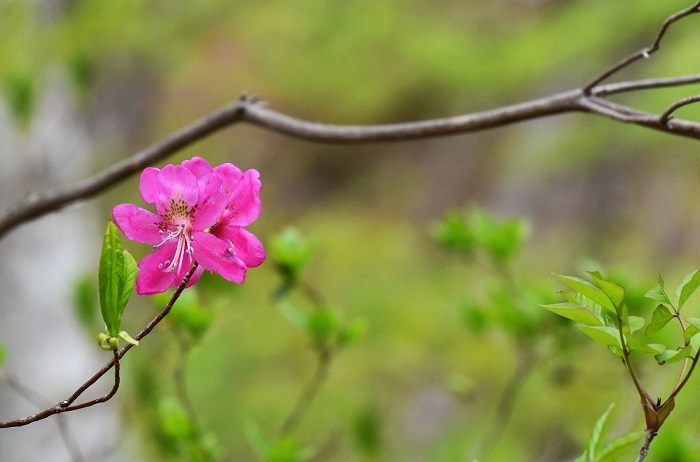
column 200, row 214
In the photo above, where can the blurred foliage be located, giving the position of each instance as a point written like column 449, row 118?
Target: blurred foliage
column 418, row 386
column 85, row 301
column 598, row 451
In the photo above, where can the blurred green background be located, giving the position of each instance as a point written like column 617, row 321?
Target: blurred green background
column 424, row 381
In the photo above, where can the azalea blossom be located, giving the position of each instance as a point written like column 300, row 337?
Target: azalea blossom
column 200, row 216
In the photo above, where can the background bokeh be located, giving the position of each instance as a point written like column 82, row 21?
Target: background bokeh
column 86, row 83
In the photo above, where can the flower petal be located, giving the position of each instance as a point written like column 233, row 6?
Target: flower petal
column 211, row 206
column 244, row 200
column 214, row 255
column 230, row 174
column 246, row 246
column 148, row 185
column 176, row 184
column 151, row 279
column 137, row 224
column 198, row 166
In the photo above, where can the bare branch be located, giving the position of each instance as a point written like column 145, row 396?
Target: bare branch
column 666, row 116
column 66, row 405
column 251, row 111
column 645, row 52
column 648, row 84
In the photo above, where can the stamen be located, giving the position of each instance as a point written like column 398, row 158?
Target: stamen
column 183, row 247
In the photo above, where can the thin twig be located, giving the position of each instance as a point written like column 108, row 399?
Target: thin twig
column 666, row 116
column 643, row 53
column 647, row 84
column 309, row 393
column 66, row 405
column 251, row 111
column 645, row 447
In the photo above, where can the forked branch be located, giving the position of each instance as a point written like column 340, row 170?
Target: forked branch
column 589, row 98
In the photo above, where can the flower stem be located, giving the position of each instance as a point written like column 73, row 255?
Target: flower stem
column 645, row 447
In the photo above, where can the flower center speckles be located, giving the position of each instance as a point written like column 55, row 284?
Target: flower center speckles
column 177, row 225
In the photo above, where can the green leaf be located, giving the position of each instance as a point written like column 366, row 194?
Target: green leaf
column 291, row 252
column 128, row 338
column 575, row 312
column 690, row 331
column 695, row 341
column 659, row 319
column 597, row 438
column 501, row 240
column 175, row 423
column 187, row 313
column 589, row 291
column 322, row 324
column 2, row 355
column 695, row 322
column 658, row 293
column 453, row 233
column 637, row 344
column 607, row 335
column 131, row 270
column 111, row 279
column 635, row 323
column 614, row 292
column 475, row 317
column 618, row 447
column 352, row 332
column 672, row 356
column 687, row 287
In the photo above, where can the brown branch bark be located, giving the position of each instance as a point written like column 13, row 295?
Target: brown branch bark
column 67, row 404
column 588, row 99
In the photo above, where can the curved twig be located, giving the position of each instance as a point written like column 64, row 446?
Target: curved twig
column 588, row 98
column 645, row 52
column 67, row 404
column 666, row 116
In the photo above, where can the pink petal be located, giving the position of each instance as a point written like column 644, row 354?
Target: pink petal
column 244, row 201
column 151, row 279
column 148, row 186
column 246, row 246
column 137, row 224
column 208, row 185
column 214, row 255
column 198, row 166
column 210, row 210
column 230, row 174
column 176, row 186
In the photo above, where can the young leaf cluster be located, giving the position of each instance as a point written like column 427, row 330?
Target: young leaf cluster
column 598, row 451
column 117, row 277
column 599, row 311
column 478, row 229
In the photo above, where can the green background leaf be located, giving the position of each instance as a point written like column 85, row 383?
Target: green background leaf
column 687, row 287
